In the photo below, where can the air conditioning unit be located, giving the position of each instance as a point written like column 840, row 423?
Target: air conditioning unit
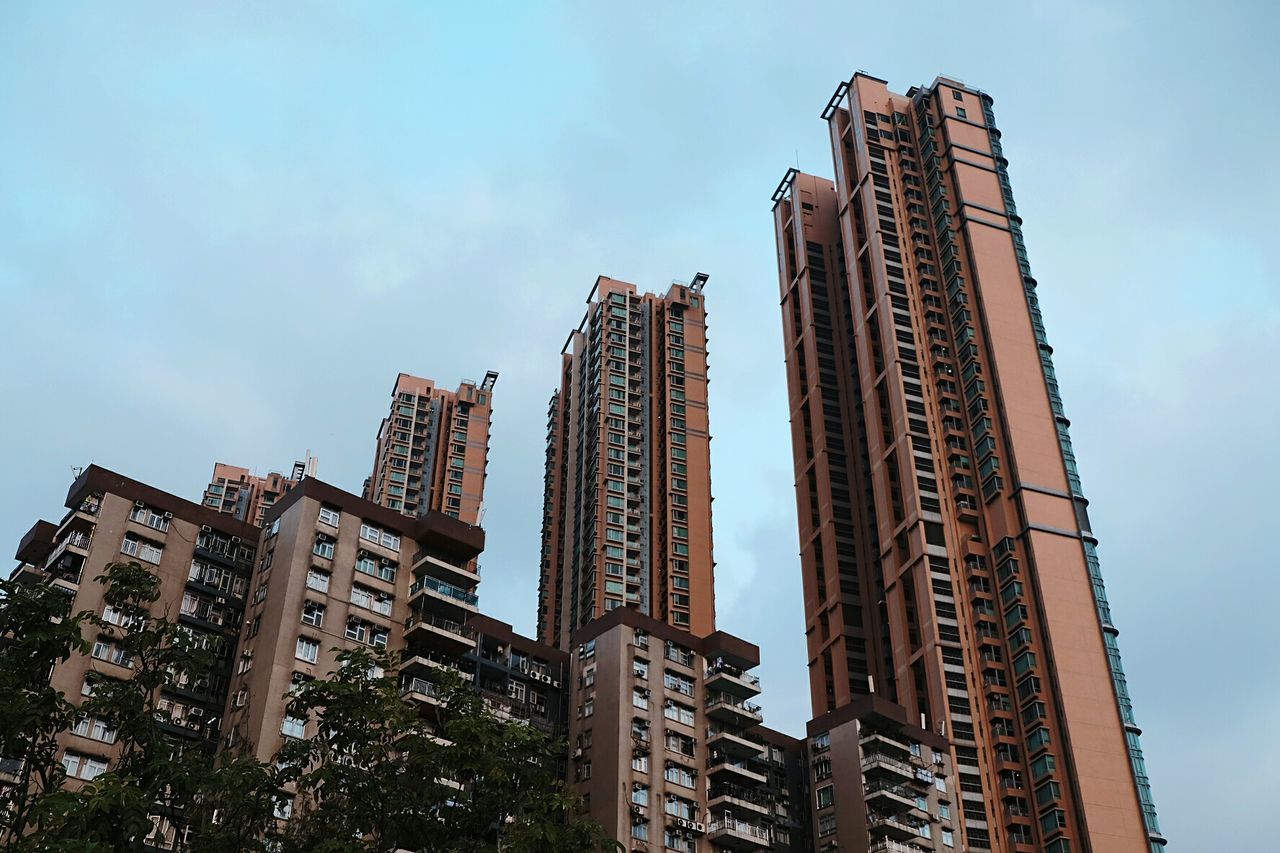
column 699, row 826
column 140, row 504
column 235, row 540
column 241, row 699
column 168, row 515
column 577, row 753
column 204, row 528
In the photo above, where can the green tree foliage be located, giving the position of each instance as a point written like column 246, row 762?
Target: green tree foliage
column 375, row 774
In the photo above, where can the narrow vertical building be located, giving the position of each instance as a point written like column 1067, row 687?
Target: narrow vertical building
column 247, row 496
column 432, row 449
column 948, row 562
column 627, row 507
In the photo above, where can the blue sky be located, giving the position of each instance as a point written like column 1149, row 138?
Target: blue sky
column 224, row 228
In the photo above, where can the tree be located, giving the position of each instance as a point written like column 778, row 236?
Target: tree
column 377, row 774
column 36, row 633
column 381, row 775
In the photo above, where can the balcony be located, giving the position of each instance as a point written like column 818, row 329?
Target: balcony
column 429, row 588
column 76, row 542
column 891, row 826
column 419, row 690
column 890, row 799
column 729, row 679
column 439, row 632
column 735, row 745
column 883, row 743
column 727, row 708
column 735, row 771
column 425, row 664
column 430, row 564
column 878, row 765
column 739, row 835
column 888, row 845
column 738, row 799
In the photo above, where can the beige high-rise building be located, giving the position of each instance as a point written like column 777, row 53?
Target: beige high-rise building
column 627, row 501
column 948, row 560
column 432, row 449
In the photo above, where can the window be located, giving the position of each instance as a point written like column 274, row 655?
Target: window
column 86, row 767
column 826, row 796
column 961, row 113
column 640, row 794
column 674, row 681
column 382, row 537
column 323, row 548
column 640, row 668
column 678, row 774
column 308, row 650
column 944, row 811
column 105, row 649
column 1043, row 766
column 141, row 548
column 330, row 516
column 94, row 728
column 283, row 808
column 588, row 708
column 826, row 824
column 318, row 579
column 640, row 698
column 293, row 727
column 150, row 517
column 370, row 600
column 955, row 93
column 313, row 614
column 679, row 713
column 640, row 763
column 640, row 831
column 680, row 807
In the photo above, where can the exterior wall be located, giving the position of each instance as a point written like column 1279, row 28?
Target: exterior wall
column 662, row 778
column 433, row 448
column 521, row 678
column 203, row 562
column 981, row 608
column 415, row 596
column 880, row 785
column 627, row 512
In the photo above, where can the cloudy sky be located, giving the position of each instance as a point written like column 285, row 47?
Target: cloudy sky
column 225, row 228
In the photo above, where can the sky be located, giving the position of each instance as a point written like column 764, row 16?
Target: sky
column 225, row 228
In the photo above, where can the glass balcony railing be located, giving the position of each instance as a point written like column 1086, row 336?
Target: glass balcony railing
column 445, row 589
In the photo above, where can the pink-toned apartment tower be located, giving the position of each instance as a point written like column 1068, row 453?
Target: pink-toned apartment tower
column 247, row 496
column 627, row 506
column 947, row 555
column 432, row 449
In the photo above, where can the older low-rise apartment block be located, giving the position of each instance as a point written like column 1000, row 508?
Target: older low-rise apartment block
column 204, row 560
column 667, row 748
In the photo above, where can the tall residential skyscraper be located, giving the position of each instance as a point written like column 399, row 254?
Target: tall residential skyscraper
column 432, row 449
column 627, row 508
column 948, row 559
column 239, row 492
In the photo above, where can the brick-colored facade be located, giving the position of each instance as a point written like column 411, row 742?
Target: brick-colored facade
column 947, row 555
column 433, row 448
column 627, row 509
column 247, row 496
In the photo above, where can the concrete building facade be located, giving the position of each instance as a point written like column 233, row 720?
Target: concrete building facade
column 627, row 501
column 949, row 566
column 432, row 449
column 203, row 559
column 667, row 748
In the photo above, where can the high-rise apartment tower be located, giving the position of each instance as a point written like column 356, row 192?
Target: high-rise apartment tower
column 238, row 491
column 627, row 509
column 433, row 447
column 948, row 560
